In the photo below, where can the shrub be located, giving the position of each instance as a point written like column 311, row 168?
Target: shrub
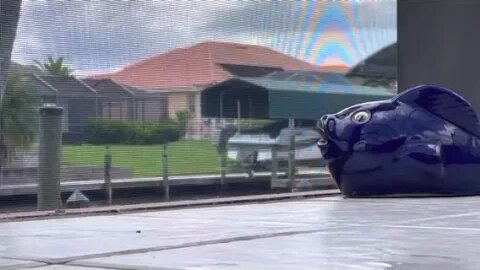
column 101, row 131
column 182, row 118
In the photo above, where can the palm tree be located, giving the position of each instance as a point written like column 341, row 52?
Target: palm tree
column 55, row 67
column 18, row 117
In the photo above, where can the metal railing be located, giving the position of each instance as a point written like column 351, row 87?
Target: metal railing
column 54, row 168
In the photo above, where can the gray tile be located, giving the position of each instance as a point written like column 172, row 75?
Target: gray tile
column 330, row 233
column 58, row 238
column 353, row 248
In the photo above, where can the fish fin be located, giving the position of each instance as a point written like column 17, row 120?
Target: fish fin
column 445, row 104
column 426, row 153
column 428, row 157
column 385, row 147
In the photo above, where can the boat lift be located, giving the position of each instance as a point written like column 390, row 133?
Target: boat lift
column 263, row 98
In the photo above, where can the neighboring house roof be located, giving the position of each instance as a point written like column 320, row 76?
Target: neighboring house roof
column 310, row 76
column 18, row 69
column 112, row 88
column 289, row 99
column 382, row 64
column 108, row 87
column 66, row 85
column 204, row 64
column 317, row 87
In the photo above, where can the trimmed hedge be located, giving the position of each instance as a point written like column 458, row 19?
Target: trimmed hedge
column 101, row 131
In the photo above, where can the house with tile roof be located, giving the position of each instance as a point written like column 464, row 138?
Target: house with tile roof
column 83, row 100
column 117, row 101
column 183, row 73
column 78, row 100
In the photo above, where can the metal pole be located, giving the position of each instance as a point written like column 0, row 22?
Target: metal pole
column 238, row 115
column 291, row 156
column 221, row 107
column 48, row 194
column 96, row 104
column 223, row 170
column 166, row 185
column 250, row 107
column 274, row 166
column 291, row 123
column 291, row 163
column 107, row 175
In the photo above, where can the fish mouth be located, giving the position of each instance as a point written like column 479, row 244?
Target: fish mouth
column 329, row 149
column 322, row 142
column 325, row 143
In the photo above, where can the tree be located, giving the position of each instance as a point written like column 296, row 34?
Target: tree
column 18, row 117
column 9, row 16
column 55, row 67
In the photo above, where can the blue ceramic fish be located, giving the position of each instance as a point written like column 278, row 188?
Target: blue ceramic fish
column 425, row 140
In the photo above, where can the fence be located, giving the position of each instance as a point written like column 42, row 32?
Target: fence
column 158, row 150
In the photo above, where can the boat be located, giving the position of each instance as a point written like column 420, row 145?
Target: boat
column 256, row 149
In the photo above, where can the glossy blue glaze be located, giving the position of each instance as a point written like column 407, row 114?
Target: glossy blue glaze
column 423, row 141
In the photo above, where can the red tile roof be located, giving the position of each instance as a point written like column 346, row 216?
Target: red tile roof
column 199, row 65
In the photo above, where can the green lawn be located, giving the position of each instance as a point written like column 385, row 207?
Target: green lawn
column 185, row 157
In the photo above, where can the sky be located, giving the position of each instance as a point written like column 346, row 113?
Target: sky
column 104, row 35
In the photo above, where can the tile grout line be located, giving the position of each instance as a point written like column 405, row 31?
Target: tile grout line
column 406, row 222
column 432, row 228
column 117, row 266
column 192, row 244
column 66, row 260
column 26, row 265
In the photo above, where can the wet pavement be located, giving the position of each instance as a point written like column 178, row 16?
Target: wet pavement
column 322, row 233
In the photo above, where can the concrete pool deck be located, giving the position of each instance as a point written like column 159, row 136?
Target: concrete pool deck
column 315, row 233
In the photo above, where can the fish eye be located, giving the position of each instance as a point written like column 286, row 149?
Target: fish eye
column 361, row 117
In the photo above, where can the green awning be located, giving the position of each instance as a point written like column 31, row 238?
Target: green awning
column 280, row 99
